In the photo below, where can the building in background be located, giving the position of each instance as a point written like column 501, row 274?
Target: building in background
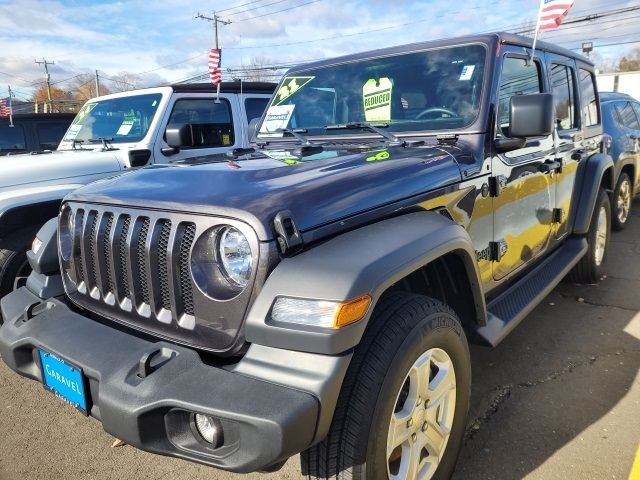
column 623, row 82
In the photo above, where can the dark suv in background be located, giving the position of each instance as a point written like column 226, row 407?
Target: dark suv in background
column 33, row 132
column 621, row 120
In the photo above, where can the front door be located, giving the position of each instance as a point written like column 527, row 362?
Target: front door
column 523, row 204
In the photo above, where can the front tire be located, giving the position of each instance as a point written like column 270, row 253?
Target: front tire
column 590, row 267
column 14, row 267
column 403, row 405
column 622, row 200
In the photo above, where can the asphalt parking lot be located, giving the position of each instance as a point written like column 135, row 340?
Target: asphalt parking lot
column 558, row 399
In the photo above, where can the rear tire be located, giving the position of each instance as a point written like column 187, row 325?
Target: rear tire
column 589, row 269
column 622, row 201
column 412, row 363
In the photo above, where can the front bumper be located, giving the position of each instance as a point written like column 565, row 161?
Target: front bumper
column 150, row 404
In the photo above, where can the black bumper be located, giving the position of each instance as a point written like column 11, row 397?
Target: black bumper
column 151, row 407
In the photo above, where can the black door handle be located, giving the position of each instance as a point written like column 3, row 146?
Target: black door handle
column 550, row 166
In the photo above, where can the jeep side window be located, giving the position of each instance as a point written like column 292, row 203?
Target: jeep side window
column 49, row 134
column 590, row 116
column 255, row 107
column 517, row 79
column 211, row 121
column 626, row 115
column 12, row 139
column 562, row 82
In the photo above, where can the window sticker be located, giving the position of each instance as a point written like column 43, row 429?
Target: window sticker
column 125, row 128
column 277, row 117
column 376, row 98
column 290, row 85
column 73, row 131
column 467, row 72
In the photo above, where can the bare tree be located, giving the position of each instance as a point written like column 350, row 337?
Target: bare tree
column 125, row 81
column 84, row 87
column 258, row 69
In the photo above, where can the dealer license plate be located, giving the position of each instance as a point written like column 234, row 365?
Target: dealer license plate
column 64, row 380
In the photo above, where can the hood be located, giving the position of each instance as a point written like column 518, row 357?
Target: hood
column 56, row 167
column 317, row 189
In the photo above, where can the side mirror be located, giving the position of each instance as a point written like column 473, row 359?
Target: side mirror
column 179, row 135
column 531, row 115
column 253, row 129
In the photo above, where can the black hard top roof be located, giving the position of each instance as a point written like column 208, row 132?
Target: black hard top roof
column 227, row 87
column 40, row 116
column 488, row 38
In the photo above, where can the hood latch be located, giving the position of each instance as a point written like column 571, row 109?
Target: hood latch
column 289, row 237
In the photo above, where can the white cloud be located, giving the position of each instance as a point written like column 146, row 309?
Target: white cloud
column 164, row 38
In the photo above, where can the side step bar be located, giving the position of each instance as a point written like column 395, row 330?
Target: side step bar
column 507, row 310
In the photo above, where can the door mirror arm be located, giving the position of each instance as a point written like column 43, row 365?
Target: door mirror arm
column 504, row 145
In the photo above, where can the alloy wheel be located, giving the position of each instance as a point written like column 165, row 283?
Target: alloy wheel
column 623, row 202
column 421, row 423
column 601, row 236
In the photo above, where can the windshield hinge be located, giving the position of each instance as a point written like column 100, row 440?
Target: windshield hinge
column 447, row 139
column 289, row 237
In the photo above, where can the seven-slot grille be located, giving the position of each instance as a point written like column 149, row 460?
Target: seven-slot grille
column 134, row 262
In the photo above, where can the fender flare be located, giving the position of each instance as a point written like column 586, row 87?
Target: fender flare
column 364, row 261
column 594, row 171
column 15, row 203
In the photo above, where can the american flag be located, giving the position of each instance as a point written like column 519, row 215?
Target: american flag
column 5, row 107
column 215, row 72
column 552, row 13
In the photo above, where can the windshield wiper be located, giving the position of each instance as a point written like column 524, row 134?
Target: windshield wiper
column 307, row 146
column 372, row 128
column 106, row 143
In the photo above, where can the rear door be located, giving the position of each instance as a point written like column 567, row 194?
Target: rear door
column 523, row 207
column 568, row 136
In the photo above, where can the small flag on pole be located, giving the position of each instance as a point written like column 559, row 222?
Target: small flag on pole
column 5, row 107
column 215, row 72
column 553, row 12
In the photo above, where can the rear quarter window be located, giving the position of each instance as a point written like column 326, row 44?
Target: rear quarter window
column 590, row 112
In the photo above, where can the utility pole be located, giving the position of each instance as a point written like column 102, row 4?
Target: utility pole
column 46, row 71
column 215, row 20
column 97, row 84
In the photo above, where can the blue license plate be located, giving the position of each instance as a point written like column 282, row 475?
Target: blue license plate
column 64, row 380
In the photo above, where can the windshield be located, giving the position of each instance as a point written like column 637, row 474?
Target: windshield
column 125, row 119
column 429, row 90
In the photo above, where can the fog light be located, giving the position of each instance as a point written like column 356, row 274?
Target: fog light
column 210, row 429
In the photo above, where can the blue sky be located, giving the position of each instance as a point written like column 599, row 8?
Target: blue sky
column 161, row 41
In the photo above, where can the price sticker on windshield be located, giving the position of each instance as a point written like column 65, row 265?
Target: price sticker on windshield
column 277, row 118
column 376, row 97
column 289, row 87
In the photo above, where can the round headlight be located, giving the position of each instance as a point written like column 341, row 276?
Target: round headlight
column 235, row 255
column 221, row 262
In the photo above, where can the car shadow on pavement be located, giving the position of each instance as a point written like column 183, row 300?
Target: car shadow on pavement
column 558, row 381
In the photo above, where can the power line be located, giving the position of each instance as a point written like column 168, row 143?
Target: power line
column 238, row 6
column 278, row 11
column 256, row 8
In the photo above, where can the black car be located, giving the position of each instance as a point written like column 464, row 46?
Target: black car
column 34, row 132
column 621, row 120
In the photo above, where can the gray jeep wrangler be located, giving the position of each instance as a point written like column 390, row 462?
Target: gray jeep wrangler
column 315, row 294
